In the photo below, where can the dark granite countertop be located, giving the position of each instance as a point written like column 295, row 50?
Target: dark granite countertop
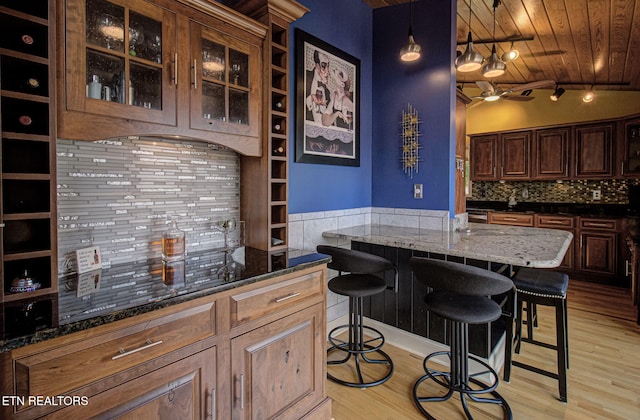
column 124, row 290
column 570, row 209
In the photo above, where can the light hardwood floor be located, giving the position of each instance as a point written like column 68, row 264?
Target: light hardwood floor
column 604, row 374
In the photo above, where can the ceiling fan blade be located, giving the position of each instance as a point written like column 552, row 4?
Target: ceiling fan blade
column 533, row 85
column 518, row 98
column 485, row 86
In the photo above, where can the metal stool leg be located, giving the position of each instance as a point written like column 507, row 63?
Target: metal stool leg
column 562, row 349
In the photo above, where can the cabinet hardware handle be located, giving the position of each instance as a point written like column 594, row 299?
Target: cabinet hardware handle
column 621, row 168
column 602, row 225
column 627, row 268
column 242, row 391
column 1, row 225
column 282, row 299
column 175, row 69
column 195, row 74
column 123, row 352
column 212, row 396
column 511, row 219
column 557, row 222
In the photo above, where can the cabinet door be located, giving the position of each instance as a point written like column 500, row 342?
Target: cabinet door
column 598, row 252
column 120, row 60
column 279, row 370
column 551, row 154
column 225, row 84
column 483, row 157
column 515, row 152
column 631, row 162
column 182, row 390
column 594, row 151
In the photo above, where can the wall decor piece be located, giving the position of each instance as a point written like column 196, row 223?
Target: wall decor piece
column 410, row 144
column 327, row 103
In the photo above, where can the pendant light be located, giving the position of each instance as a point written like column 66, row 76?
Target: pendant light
column 470, row 60
column 510, row 55
column 411, row 51
column 494, row 67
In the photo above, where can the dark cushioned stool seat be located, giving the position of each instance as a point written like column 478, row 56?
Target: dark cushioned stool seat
column 357, row 279
column 460, row 294
column 548, row 288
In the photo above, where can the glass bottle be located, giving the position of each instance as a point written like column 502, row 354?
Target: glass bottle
column 173, row 243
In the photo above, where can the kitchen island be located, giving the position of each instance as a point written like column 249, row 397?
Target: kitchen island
column 493, row 247
column 200, row 338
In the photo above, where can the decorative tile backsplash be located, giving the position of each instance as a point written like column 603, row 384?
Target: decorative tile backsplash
column 613, row 191
column 120, row 194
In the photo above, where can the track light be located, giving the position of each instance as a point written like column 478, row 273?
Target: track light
column 557, row 94
column 510, row 55
column 412, row 50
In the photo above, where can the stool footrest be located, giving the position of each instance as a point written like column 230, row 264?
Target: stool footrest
column 539, row 343
column 535, row 369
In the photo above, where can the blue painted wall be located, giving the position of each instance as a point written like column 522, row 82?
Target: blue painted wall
column 375, row 37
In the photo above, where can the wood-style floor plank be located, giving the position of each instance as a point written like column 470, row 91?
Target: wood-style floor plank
column 604, row 375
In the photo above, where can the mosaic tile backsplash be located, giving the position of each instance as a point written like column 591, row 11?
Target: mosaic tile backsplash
column 613, row 191
column 120, row 195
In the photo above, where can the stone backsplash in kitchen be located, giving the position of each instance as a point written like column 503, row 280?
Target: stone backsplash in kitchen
column 576, row 191
column 119, row 194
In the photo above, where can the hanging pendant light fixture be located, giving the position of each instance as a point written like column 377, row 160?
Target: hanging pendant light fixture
column 470, row 60
column 494, row 66
column 510, row 55
column 412, row 50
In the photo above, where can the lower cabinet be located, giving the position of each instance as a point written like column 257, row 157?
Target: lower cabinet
column 185, row 389
column 278, row 370
column 253, row 352
column 598, row 240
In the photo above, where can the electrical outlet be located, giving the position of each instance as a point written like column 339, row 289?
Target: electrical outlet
column 597, row 194
column 417, row 190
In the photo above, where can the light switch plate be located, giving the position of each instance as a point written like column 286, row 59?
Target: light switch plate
column 417, row 190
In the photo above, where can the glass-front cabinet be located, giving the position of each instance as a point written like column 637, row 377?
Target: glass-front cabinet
column 631, row 164
column 224, row 85
column 177, row 68
column 121, row 60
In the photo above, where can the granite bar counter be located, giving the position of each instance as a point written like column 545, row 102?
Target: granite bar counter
column 518, row 246
column 124, row 290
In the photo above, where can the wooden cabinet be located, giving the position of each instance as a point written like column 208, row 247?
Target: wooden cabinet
column 630, row 165
column 483, row 151
column 598, row 240
column 28, row 248
column 594, row 151
column 461, row 146
column 126, row 74
column 551, row 155
column 513, row 219
column 278, row 369
column 217, row 356
column 515, row 155
column 565, row 223
column 265, row 192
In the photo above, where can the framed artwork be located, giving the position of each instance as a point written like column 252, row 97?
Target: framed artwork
column 327, row 103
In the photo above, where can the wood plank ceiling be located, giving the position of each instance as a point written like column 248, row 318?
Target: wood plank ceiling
column 577, row 43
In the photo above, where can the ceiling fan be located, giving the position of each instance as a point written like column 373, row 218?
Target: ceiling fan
column 492, row 92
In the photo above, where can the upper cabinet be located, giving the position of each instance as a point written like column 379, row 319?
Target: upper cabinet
column 515, row 155
column 162, row 68
column 594, row 151
column 483, row 151
column 630, row 165
column 551, row 153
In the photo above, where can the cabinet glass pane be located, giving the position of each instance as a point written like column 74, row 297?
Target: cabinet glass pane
column 238, row 107
column 634, row 147
column 238, row 68
column 105, row 25
column 145, row 38
column 213, row 60
column 105, row 76
column 146, row 86
column 213, row 101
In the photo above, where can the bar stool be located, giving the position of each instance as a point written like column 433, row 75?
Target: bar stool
column 356, row 280
column 547, row 288
column 461, row 296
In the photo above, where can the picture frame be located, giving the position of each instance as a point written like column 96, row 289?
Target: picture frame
column 327, row 103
